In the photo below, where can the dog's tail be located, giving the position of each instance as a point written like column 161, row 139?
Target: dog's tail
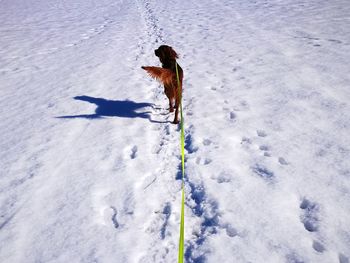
column 163, row 75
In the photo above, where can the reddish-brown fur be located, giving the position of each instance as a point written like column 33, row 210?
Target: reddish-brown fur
column 167, row 75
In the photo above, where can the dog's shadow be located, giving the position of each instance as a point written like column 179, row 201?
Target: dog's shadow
column 114, row 108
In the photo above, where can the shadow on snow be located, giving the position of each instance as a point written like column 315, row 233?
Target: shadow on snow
column 114, row 108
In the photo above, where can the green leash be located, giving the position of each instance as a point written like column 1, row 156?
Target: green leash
column 182, row 223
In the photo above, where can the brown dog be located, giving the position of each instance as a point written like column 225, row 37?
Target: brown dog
column 167, row 75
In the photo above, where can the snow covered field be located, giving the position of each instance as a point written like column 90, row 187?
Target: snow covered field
column 90, row 163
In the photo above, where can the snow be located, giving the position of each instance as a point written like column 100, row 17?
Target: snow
column 90, row 162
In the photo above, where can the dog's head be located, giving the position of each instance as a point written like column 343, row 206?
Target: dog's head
column 165, row 53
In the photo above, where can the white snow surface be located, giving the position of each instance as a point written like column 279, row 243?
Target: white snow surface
column 90, row 163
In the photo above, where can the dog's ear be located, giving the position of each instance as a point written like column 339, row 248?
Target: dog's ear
column 171, row 52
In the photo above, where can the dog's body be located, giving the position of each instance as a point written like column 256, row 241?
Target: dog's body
column 167, row 75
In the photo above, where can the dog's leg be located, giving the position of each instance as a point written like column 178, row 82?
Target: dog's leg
column 168, row 90
column 177, row 103
column 171, row 108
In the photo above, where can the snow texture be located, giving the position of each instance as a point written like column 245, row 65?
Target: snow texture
column 90, row 163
